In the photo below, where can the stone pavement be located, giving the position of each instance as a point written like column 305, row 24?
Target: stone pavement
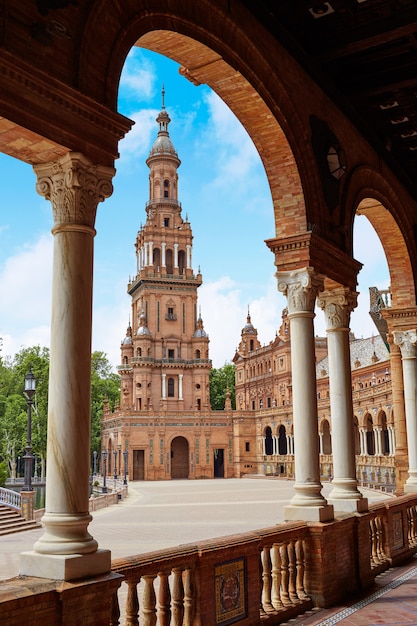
column 158, row 515
column 162, row 514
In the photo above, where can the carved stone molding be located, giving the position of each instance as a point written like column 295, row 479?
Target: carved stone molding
column 407, row 340
column 337, row 305
column 301, row 288
column 74, row 187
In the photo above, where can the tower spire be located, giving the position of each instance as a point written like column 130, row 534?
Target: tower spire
column 163, row 96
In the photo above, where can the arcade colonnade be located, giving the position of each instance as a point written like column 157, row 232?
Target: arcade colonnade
column 75, row 186
column 58, row 113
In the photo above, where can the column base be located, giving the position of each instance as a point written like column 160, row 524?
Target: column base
column 309, row 513
column 346, row 505
column 410, row 487
column 65, row 566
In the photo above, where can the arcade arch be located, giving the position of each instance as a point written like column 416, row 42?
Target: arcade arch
column 261, row 97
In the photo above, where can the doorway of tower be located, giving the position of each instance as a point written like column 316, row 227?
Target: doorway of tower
column 138, row 465
column 179, row 458
column 218, row 463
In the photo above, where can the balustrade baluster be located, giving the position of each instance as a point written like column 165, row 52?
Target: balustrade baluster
column 177, row 598
column 372, row 538
column 164, row 600
column 300, row 564
column 285, row 597
column 276, row 577
column 412, row 525
column 380, row 539
column 189, row 597
column 149, row 601
column 292, row 572
column 266, row 579
column 115, row 610
column 132, row 603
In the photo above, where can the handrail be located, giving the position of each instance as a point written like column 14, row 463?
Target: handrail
column 162, row 585
column 10, row 498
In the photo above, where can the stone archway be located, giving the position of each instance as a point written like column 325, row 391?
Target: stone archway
column 179, row 458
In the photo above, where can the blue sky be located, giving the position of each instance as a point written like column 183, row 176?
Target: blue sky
column 223, row 189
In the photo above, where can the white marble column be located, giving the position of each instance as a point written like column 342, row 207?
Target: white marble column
column 163, row 254
column 337, row 305
column 163, row 381
column 308, row 503
column 176, row 255
column 320, row 443
column 378, row 441
column 407, row 341
column 363, row 444
column 180, row 377
column 66, row 550
column 188, row 256
column 150, row 262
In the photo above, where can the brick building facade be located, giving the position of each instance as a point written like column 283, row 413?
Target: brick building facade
column 165, row 421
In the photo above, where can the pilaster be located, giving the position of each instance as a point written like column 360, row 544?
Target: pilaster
column 407, row 341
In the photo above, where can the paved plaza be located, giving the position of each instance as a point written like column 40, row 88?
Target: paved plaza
column 159, row 515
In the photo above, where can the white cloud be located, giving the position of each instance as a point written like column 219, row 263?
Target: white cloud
column 235, row 153
column 26, row 278
column 136, row 144
column 224, row 309
column 138, row 76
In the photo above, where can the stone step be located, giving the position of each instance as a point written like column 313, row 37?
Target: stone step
column 12, row 522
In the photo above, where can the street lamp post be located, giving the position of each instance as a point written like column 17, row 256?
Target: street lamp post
column 94, row 462
column 115, row 464
column 30, row 389
column 104, row 488
column 125, row 460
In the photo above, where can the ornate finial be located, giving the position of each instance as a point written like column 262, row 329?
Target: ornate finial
column 163, row 96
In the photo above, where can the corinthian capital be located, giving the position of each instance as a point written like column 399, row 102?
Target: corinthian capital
column 337, row 305
column 301, row 288
column 407, row 340
column 74, row 187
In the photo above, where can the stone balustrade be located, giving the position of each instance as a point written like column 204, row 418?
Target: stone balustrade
column 267, row 576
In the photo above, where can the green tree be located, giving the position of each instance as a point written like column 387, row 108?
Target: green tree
column 221, row 379
column 13, row 405
column 105, row 384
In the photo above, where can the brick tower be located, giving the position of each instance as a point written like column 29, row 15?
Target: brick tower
column 166, row 350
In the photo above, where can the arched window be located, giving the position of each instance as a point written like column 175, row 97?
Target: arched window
column 197, row 354
column 156, row 259
column 327, row 440
column 125, row 360
column 138, row 351
column 171, row 387
column 269, row 447
column 181, row 261
column 385, row 436
column 251, row 345
column 169, row 261
column 282, row 440
column 370, row 436
column 166, row 188
column 356, row 436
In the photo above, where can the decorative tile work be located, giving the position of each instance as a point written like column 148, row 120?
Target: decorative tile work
column 338, row 617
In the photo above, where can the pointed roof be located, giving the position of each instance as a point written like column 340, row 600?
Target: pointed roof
column 163, row 144
column 249, row 327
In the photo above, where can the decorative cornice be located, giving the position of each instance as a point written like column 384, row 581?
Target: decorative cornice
column 47, row 104
column 309, row 249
